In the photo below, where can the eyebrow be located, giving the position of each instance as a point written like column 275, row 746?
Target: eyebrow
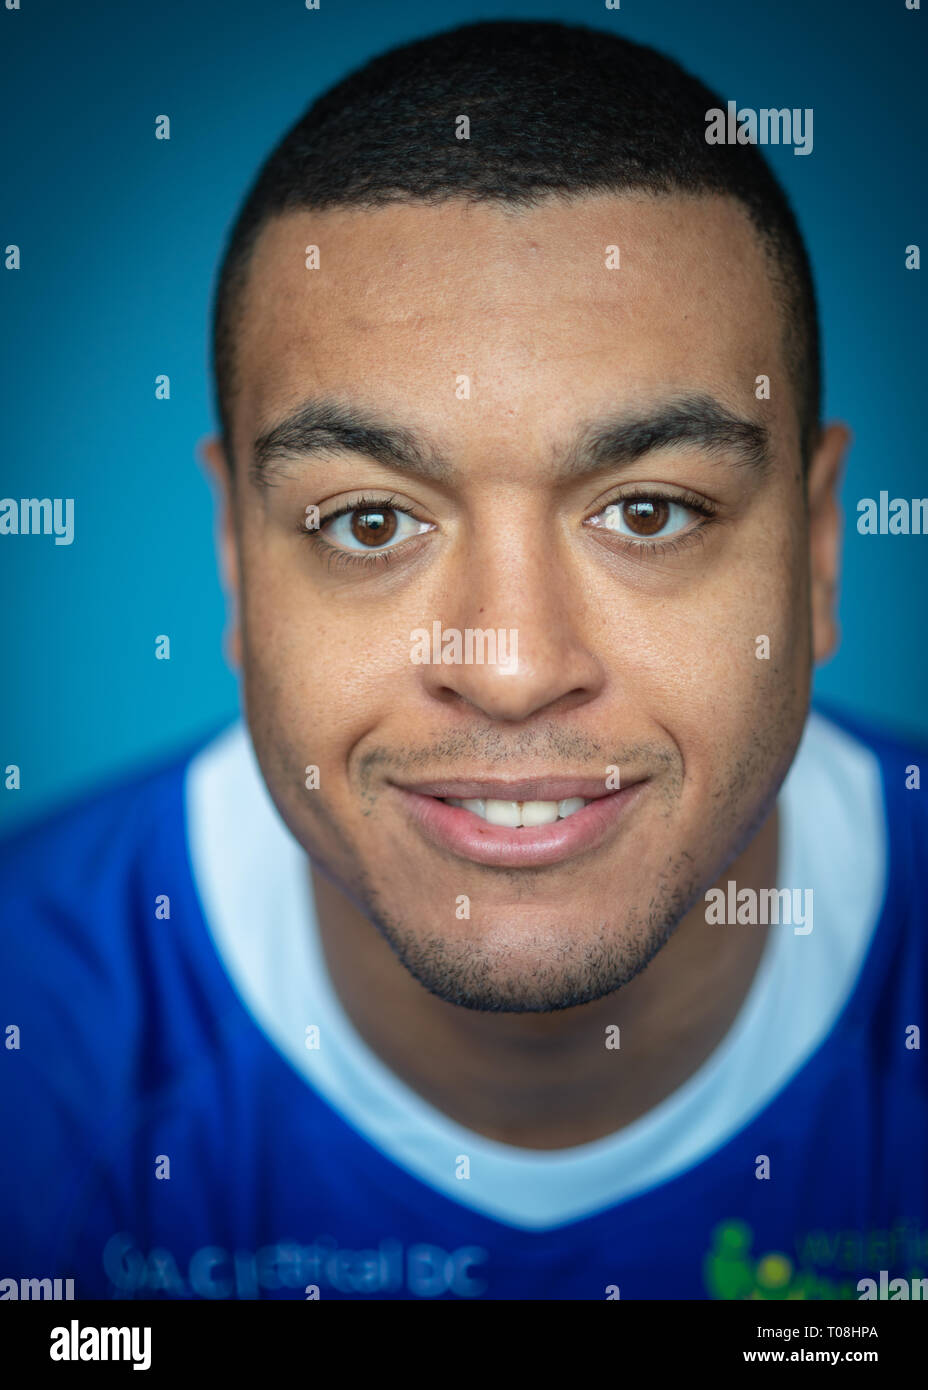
column 330, row 426
column 699, row 421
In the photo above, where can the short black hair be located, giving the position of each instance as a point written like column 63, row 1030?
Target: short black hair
column 555, row 110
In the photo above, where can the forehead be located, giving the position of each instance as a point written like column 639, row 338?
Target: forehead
column 525, row 303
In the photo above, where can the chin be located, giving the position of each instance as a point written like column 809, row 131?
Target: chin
column 535, row 971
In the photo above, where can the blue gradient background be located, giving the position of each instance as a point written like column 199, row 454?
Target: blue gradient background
column 121, row 236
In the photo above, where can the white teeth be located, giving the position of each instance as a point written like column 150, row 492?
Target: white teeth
column 540, row 812
column 503, row 813
column 514, row 814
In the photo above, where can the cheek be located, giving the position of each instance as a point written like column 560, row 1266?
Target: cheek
column 724, row 667
column 318, row 671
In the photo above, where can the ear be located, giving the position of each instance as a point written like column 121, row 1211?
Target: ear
column 219, row 472
column 825, row 520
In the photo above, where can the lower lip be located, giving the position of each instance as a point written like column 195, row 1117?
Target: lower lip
column 465, row 834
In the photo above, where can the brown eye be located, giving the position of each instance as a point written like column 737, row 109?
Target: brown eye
column 373, row 527
column 646, row 516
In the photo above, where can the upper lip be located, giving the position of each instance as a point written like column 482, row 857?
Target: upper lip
column 522, row 789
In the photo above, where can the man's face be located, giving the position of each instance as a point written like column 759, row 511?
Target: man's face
column 658, row 599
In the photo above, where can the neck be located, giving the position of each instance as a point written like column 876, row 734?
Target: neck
column 548, row 1081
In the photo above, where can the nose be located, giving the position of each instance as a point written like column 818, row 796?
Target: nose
column 512, row 642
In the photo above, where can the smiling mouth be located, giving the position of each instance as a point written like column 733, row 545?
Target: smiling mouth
column 519, row 814
column 542, row 821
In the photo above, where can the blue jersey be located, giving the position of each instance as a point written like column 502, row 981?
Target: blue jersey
column 186, row 1111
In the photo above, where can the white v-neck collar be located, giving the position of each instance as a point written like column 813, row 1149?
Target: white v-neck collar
column 254, row 887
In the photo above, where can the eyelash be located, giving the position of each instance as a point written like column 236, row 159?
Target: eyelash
column 336, row 557
column 694, row 536
column 642, row 548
